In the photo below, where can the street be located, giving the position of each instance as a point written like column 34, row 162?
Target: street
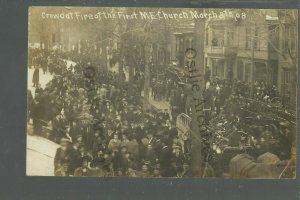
column 40, row 154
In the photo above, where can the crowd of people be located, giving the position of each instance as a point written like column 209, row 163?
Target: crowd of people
column 242, row 122
column 103, row 130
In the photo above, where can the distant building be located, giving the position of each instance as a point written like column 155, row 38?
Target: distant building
column 245, row 51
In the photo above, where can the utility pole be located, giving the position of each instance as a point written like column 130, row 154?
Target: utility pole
column 196, row 80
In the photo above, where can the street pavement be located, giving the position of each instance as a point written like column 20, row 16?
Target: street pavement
column 159, row 105
column 40, row 151
column 40, row 154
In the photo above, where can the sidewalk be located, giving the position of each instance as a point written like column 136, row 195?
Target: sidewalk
column 160, row 105
column 40, row 154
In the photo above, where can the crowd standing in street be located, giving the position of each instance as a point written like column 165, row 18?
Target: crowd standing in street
column 103, row 130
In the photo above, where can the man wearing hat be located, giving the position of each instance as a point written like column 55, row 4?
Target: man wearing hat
column 63, row 158
column 36, row 76
column 83, row 152
column 124, row 159
column 37, row 112
column 150, row 155
column 59, row 125
column 84, row 170
column 114, row 143
column 156, row 171
column 144, row 171
column 165, row 157
column 178, row 157
column 99, row 160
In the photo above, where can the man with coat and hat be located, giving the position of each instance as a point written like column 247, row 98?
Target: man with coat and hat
column 63, row 158
column 84, row 170
column 36, row 76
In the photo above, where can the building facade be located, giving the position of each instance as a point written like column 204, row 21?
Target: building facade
column 250, row 51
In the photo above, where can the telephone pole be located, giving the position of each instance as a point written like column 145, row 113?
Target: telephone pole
column 196, row 79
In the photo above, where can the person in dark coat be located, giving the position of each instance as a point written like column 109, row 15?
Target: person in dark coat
column 165, row 161
column 30, row 103
column 150, row 155
column 207, row 74
column 59, row 124
column 36, row 77
column 37, row 112
column 177, row 157
column 38, row 90
column 84, row 170
column 230, row 74
column 63, row 158
column 99, row 160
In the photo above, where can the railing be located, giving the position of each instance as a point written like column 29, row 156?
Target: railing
column 183, row 123
column 223, row 50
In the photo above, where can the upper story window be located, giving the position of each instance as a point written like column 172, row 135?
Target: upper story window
column 207, row 37
column 230, row 38
column 217, row 38
column 248, row 38
column 179, row 44
column 256, row 41
column 252, row 36
column 289, row 40
column 187, row 43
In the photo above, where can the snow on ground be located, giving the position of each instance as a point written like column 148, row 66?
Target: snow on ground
column 69, row 63
column 40, row 151
column 40, row 156
column 44, row 78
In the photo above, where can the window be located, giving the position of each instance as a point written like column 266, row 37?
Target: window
column 214, row 67
column 187, row 43
column 248, row 38
column 230, row 38
column 240, row 70
column 192, row 43
column 248, row 72
column 218, row 67
column 289, row 41
column 206, row 37
column 260, row 71
column 179, row 44
column 273, row 72
column 285, row 81
column 217, row 38
column 256, row 39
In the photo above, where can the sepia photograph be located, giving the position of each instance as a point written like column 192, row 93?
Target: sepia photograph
column 162, row 92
